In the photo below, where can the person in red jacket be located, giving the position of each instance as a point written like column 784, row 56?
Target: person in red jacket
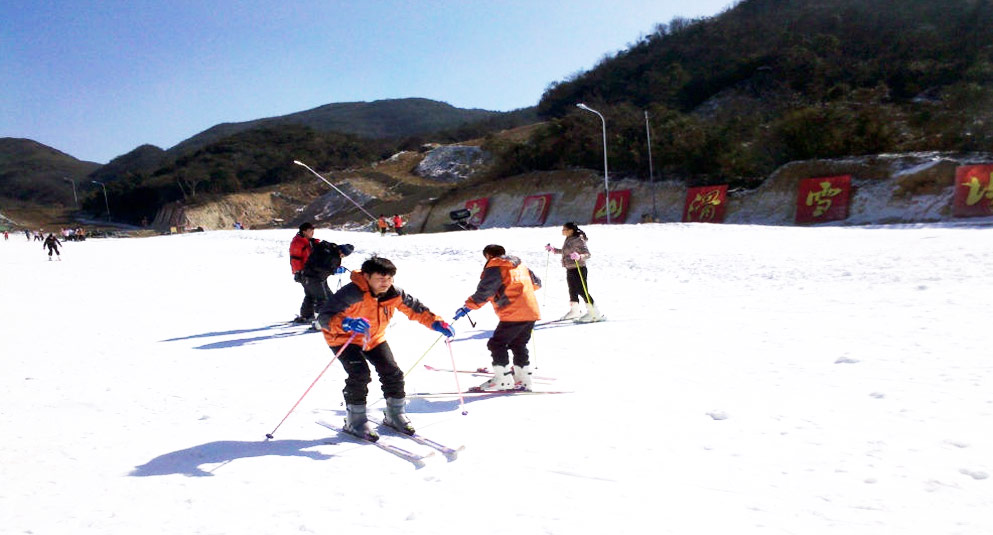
column 398, row 224
column 365, row 307
column 510, row 286
column 300, row 248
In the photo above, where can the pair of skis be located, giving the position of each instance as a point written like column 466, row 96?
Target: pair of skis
column 485, row 372
column 416, row 458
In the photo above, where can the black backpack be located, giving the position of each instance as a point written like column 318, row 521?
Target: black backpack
column 323, row 260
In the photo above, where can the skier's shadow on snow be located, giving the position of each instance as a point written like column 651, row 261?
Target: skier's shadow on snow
column 282, row 333
column 187, row 462
column 421, row 405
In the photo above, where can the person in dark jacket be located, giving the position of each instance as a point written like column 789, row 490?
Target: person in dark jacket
column 53, row 244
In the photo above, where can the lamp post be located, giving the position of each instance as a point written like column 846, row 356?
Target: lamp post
column 606, row 179
column 75, row 199
column 105, row 201
column 651, row 171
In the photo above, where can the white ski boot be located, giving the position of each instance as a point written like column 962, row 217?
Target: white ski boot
column 357, row 423
column 396, row 417
column 503, row 379
column 522, row 377
column 592, row 314
column 574, row 311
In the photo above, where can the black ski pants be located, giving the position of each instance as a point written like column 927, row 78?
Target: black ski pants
column 576, row 291
column 359, row 376
column 510, row 337
column 315, row 293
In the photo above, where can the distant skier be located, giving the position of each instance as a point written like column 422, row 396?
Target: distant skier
column 398, row 224
column 6, row 236
column 364, row 307
column 53, row 244
column 510, row 286
column 574, row 254
column 382, row 225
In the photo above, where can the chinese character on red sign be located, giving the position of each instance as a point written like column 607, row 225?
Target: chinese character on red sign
column 973, row 191
column 823, row 199
column 705, row 204
column 620, row 201
column 477, row 207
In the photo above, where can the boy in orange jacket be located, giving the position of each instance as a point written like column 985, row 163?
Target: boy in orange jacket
column 365, row 307
column 510, row 286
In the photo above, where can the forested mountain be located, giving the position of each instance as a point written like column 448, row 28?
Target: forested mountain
column 734, row 96
column 380, row 119
column 30, row 171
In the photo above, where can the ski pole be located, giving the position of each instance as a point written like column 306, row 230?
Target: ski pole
column 579, row 271
column 424, row 355
column 335, row 357
column 448, row 342
column 544, row 300
column 418, row 361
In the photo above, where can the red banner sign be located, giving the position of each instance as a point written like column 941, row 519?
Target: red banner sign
column 705, row 204
column 534, row 210
column 973, row 191
column 477, row 207
column 620, row 201
column 823, row 199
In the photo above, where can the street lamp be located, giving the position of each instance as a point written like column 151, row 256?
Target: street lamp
column 651, row 171
column 606, row 180
column 105, row 201
column 75, row 200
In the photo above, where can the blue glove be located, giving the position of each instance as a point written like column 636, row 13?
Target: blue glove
column 340, row 269
column 461, row 312
column 358, row 325
column 443, row 328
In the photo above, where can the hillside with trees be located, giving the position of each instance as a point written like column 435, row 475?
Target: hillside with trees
column 30, row 171
column 732, row 97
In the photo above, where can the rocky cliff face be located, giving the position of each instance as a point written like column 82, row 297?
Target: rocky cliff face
column 452, row 163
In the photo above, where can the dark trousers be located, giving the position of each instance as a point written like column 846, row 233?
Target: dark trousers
column 357, row 384
column 315, row 293
column 576, row 285
column 54, row 248
column 510, row 336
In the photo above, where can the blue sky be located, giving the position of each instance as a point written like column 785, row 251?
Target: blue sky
column 95, row 79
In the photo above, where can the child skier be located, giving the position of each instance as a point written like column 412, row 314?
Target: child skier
column 365, row 307
column 510, row 286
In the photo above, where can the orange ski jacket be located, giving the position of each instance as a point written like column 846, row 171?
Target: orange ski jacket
column 355, row 301
column 510, row 286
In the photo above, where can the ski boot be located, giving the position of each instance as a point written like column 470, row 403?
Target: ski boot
column 396, row 417
column 574, row 311
column 503, row 379
column 592, row 314
column 356, row 423
column 522, row 378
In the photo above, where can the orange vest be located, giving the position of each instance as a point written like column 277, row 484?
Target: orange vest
column 510, row 286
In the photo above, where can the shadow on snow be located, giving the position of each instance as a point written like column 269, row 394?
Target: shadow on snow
column 283, row 332
column 187, row 462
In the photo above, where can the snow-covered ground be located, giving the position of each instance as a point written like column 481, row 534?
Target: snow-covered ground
column 750, row 379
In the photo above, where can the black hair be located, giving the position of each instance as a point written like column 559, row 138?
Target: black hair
column 575, row 229
column 379, row 265
column 304, row 227
column 494, row 250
